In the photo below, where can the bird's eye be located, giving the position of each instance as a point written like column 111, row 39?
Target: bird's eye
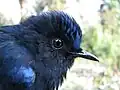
column 57, row 43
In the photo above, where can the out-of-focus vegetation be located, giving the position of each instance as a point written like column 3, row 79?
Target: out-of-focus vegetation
column 102, row 39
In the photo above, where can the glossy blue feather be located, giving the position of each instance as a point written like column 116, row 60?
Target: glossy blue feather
column 23, row 75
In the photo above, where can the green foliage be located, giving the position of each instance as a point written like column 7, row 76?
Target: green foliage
column 103, row 40
column 56, row 4
column 51, row 4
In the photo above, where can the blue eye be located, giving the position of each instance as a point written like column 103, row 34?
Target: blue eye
column 57, row 43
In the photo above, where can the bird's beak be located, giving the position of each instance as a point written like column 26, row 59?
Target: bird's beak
column 85, row 54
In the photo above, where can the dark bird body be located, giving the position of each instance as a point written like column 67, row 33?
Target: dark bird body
column 36, row 54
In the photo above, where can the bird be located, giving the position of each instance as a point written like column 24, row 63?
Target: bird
column 36, row 53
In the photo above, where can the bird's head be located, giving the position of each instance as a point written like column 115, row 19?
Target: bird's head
column 57, row 46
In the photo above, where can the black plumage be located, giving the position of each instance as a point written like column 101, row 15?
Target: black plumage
column 36, row 54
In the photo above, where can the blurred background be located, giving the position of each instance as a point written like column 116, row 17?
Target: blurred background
column 100, row 23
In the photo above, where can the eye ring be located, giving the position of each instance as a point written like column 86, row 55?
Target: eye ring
column 57, row 43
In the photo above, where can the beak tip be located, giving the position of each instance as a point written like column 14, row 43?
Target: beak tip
column 93, row 59
column 96, row 60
